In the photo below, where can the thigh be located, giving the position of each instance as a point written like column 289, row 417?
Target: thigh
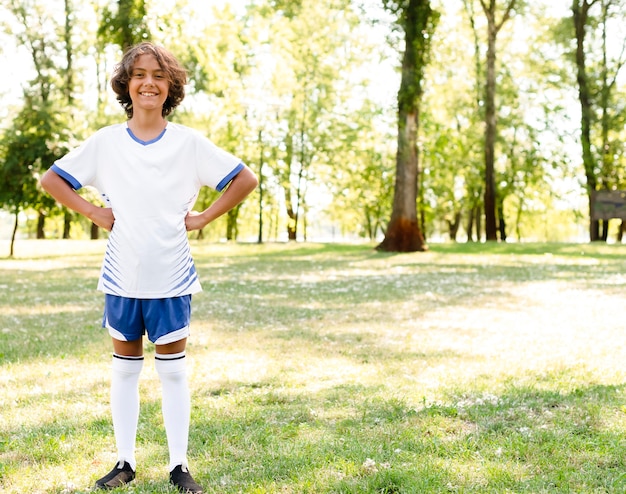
column 128, row 348
column 171, row 348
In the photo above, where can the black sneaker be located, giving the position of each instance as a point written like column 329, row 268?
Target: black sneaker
column 121, row 474
column 184, row 482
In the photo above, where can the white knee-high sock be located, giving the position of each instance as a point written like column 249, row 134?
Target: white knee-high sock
column 172, row 370
column 125, row 405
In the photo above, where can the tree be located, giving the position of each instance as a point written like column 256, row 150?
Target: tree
column 126, row 25
column 29, row 145
column 580, row 11
column 493, row 28
column 417, row 20
column 37, row 135
column 596, row 86
column 310, row 100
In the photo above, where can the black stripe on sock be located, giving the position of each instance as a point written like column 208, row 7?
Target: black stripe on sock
column 157, row 357
column 126, row 357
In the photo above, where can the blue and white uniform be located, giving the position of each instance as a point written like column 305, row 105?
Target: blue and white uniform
column 151, row 186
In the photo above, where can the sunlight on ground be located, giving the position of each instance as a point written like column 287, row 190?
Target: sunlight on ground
column 332, row 338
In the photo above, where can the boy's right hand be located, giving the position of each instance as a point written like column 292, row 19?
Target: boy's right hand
column 103, row 217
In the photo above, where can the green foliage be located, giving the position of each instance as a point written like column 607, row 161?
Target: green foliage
column 124, row 25
column 287, row 86
column 36, row 139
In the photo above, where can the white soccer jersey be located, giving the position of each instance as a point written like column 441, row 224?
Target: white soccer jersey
column 150, row 186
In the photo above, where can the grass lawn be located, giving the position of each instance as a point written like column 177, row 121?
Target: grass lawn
column 334, row 369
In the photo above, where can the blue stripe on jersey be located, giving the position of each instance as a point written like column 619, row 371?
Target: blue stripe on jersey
column 226, row 180
column 67, row 177
column 190, row 277
column 145, row 143
column 110, row 267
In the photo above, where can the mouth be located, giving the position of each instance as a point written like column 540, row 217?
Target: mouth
column 148, row 94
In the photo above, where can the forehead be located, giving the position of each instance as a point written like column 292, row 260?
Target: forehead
column 147, row 61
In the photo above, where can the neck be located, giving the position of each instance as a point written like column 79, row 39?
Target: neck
column 147, row 121
column 146, row 129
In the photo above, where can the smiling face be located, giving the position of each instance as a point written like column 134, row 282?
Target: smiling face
column 148, row 86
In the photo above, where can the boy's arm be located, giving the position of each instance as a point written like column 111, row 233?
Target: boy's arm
column 244, row 183
column 58, row 188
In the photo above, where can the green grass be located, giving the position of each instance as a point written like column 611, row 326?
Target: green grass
column 334, row 369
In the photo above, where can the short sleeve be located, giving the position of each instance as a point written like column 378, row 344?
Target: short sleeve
column 216, row 167
column 78, row 167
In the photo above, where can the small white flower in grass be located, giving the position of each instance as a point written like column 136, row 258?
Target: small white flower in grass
column 499, row 452
column 369, row 466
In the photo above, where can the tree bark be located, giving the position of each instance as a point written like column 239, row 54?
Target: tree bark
column 580, row 12
column 14, row 233
column 41, row 221
column 490, row 135
column 490, row 199
column 403, row 233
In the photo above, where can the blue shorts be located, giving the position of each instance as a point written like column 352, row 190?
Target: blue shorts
column 166, row 320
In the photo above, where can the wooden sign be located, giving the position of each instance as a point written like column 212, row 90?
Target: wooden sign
column 609, row 204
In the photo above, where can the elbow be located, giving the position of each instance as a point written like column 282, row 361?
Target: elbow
column 254, row 182
column 252, row 179
column 45, row 180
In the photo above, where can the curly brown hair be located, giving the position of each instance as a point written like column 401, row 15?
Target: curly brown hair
column 176, row 74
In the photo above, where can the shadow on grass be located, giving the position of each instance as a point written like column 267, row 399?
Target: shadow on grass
column 339, row 440
column 53, row 310
column 349, row 438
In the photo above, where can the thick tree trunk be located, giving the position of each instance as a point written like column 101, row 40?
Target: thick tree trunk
column 403, row 232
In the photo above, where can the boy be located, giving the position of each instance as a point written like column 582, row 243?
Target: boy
column 149, row 172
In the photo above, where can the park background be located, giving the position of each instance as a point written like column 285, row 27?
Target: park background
column 334, row 367
column 306, row 94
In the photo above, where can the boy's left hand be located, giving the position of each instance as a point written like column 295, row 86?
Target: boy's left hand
column 194, row 221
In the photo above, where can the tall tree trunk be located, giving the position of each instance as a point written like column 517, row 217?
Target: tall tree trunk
column 490, row 199
column 261, row 159
column 403, row 232
column 580, row 13
column 501, row 222
column 231, row 223
column 67, row 222
column 14, row 233
column 41, row 221
column 470, row 226
column 490, row 134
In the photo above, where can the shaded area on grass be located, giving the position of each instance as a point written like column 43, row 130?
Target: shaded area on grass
column 337, row 369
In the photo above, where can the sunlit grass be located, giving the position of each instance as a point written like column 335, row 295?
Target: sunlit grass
column 334, row 369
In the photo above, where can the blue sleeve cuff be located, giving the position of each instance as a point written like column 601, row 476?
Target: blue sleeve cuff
column 227, row 179
column 75, row 184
